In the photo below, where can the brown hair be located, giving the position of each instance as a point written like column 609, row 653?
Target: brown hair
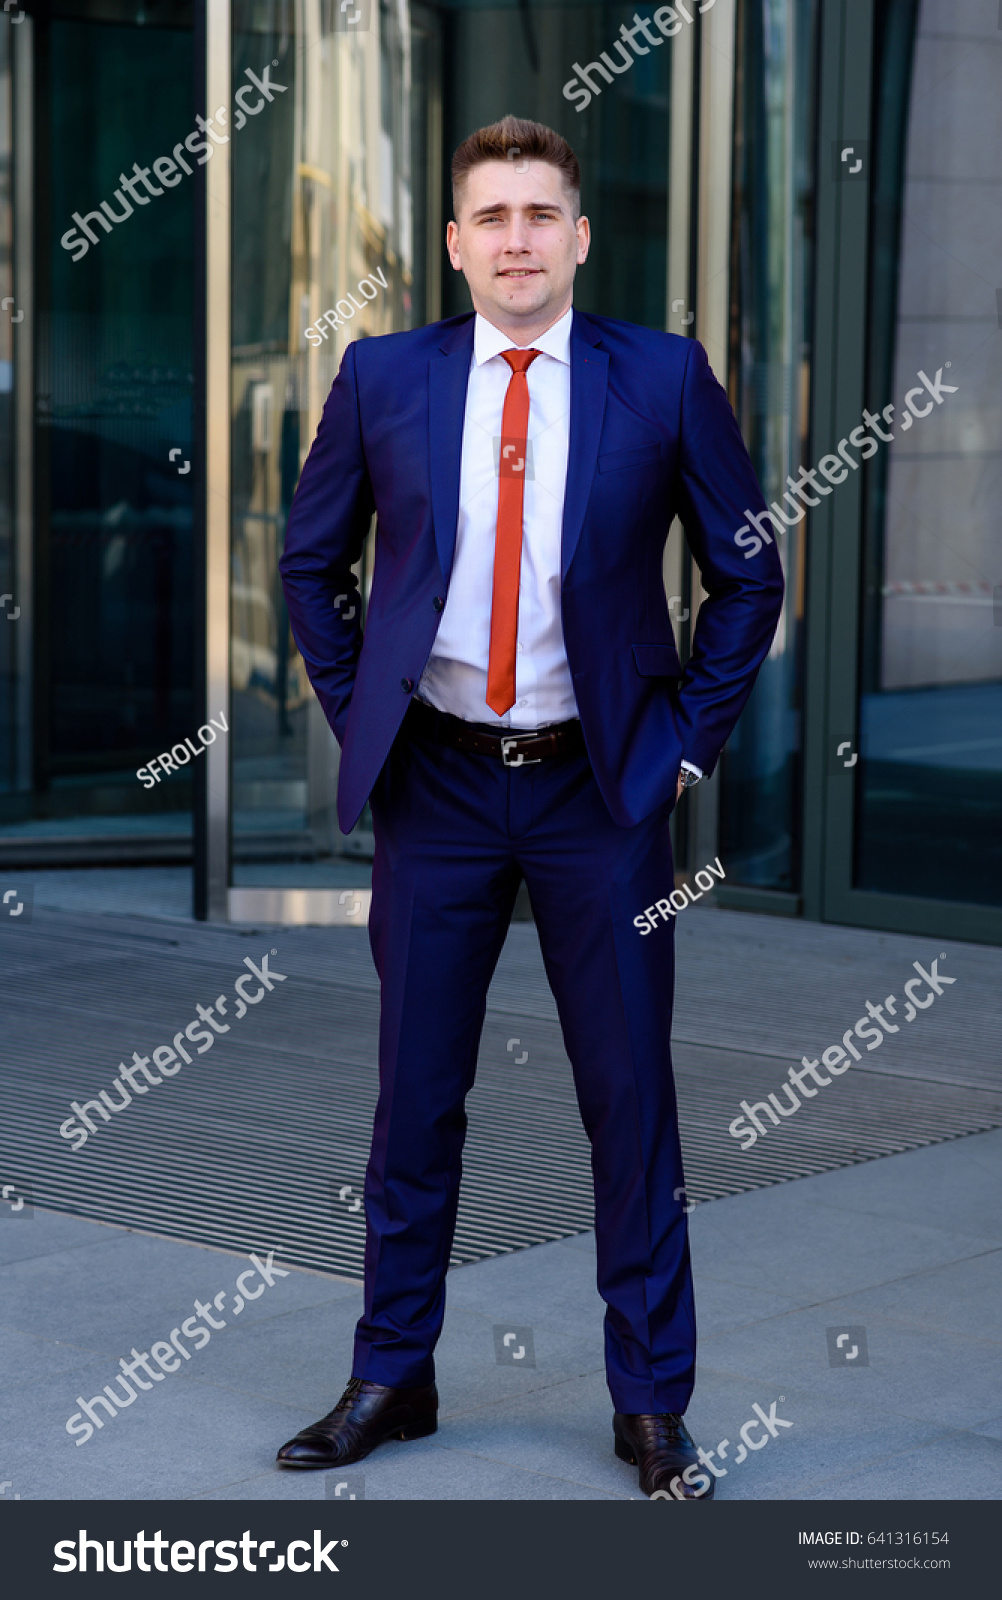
column 532, row 141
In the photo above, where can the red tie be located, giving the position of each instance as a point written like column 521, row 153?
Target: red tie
column 508, row 539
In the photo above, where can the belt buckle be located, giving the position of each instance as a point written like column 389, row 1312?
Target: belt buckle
column 519, row 760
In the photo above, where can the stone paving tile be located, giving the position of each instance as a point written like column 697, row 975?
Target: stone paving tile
column 913, row 1371
column 963, row 1466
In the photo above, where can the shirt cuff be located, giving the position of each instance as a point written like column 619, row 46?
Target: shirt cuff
column 690, row 767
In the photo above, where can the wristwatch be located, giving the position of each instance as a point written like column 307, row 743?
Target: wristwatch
column 687, row 777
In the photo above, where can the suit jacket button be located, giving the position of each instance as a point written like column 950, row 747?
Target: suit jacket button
column 407, row 684
column 438, row 603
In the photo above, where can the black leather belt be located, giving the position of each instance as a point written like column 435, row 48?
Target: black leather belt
column 512, row 748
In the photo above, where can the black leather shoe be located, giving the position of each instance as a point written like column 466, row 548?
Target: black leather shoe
column 366, row 1415
column 663, row 1449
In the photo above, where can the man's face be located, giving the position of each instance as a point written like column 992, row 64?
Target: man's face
column 517, row 241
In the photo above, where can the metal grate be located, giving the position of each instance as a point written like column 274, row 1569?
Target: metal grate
column 262, row 1141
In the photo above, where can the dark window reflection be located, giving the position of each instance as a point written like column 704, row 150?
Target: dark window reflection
column 112, row 669
column 929, row 795
column 771, row 313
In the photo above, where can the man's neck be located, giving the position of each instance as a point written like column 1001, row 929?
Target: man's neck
column 522, row 333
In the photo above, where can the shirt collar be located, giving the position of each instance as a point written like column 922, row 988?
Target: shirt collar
column 489, row 341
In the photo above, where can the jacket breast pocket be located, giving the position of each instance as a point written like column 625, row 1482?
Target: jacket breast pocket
column 617, row 460
column 657, row 661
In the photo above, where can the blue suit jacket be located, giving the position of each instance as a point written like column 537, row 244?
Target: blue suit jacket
column 651, row 435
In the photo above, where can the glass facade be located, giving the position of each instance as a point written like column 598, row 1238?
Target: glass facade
column 110, row 668
column 929, row 794
column 8, row 568
column 338, row 125
column 325, row 191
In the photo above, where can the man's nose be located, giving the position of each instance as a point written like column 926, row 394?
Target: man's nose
column 516, row 243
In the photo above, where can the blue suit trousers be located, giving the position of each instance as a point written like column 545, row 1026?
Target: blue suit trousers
column 455, row 833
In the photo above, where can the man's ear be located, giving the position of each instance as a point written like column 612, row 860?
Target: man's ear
column 452, row 246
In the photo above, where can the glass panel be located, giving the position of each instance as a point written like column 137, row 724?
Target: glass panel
column 929, row 790
column 770, row 373
column 8, row 574
column 339, row 206
column 323, row 252
column 112, row 614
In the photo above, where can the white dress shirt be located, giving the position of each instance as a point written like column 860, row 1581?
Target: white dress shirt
column 455, row 678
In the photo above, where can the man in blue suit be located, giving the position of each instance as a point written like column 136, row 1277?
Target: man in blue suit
column 516, row 710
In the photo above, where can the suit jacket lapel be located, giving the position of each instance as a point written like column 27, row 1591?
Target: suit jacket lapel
column 589, row 380
column 448, row 379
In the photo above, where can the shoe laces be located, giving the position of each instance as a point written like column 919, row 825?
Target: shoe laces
column 350, row 1393
column 667, row 1426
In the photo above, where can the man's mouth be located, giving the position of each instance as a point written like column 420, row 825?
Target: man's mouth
column 519, row 272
